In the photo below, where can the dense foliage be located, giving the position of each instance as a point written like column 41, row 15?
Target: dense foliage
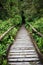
column 5, row 25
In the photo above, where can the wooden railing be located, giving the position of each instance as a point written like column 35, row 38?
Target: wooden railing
column 3, row 35
column 40, row 34
column 34, row 42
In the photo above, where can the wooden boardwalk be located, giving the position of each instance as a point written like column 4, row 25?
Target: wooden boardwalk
column 22, row 52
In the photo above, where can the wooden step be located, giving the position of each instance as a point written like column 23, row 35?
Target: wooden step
column 20, row 51
column 30, row 53
column 26, row 63
column 19, row 63
column 23, row 48
column 23, row 59
column 22, row 56
column 22, row 42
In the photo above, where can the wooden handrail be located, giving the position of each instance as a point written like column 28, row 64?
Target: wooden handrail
column 40, row 34
column 2, row 36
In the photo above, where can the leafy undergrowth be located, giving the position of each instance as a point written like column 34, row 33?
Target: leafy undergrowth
column 5, row 25
column 9, row 38
column 6, row 41
column 38, row 25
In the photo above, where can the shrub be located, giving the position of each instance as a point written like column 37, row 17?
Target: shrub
column 17, row 20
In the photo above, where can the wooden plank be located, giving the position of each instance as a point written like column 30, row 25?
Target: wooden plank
column 24, row 53
column 22, row 56
column 24, row 59
column 27, row 63
column 20, row 51
column 20, row 46
column 19, row 63
column 23, row 48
